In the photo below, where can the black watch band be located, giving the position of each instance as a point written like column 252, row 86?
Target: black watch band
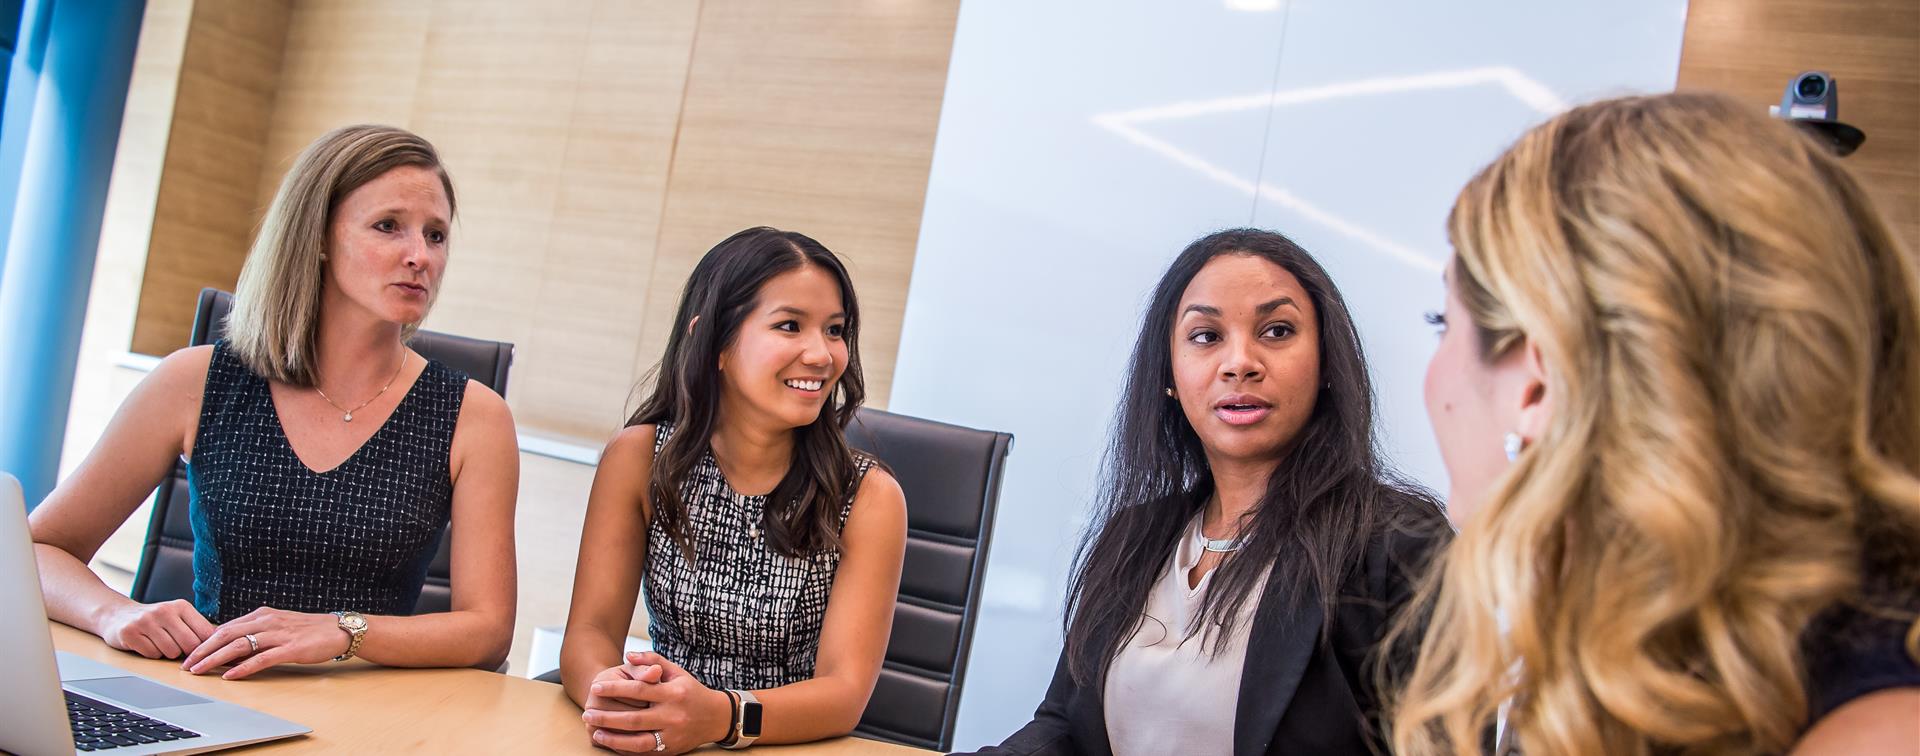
column 733, row 719
column 746, row 720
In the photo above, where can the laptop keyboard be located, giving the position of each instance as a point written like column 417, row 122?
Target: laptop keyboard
column 98, row 726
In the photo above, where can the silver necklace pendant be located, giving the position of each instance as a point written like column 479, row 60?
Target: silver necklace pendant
column 1219, row 545
column 346, row 418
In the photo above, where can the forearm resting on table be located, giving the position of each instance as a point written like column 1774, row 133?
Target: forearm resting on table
column 74, row 594
column 586, row 651
column 817, row 709
column 460, row 638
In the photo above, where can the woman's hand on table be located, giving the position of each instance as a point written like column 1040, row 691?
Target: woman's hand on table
column 661, row 708
column 597, row 701
column 266, row 637
column 167, row 630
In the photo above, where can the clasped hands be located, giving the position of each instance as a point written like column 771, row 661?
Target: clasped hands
column 650, row 705
column 261, row 639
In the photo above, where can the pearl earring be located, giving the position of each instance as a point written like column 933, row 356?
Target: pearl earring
column 1169, row 392
column 1514, row 443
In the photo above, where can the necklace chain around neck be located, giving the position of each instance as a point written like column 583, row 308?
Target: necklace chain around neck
column 346, row 415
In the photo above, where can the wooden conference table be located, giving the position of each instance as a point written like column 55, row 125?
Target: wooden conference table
column 355, row 706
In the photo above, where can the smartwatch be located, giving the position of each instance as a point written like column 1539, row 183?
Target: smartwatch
column 746, row 721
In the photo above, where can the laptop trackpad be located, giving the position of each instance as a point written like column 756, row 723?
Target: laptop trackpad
column 136, row 692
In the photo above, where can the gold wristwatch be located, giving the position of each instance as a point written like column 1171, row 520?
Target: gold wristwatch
column 356, row 626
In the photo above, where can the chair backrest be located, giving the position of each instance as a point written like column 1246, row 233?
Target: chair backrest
column 166, row 562
column 951, row 477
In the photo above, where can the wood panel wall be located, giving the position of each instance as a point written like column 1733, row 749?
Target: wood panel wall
column 1753, row 48
column 815, row 117
column 204, row 214
column 598, row 148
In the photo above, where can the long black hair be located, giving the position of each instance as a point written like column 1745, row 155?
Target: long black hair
column 802, row 514
column 1323, row 502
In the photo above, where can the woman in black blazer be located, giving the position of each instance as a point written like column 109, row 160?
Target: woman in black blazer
column 1251, row 548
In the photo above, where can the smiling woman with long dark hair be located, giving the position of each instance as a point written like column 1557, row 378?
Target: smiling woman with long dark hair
column 1249, row 546
column 770, row 550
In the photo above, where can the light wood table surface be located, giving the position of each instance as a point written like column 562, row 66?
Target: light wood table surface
column 356, row 706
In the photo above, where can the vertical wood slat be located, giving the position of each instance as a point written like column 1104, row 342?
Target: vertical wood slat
column 202, row 222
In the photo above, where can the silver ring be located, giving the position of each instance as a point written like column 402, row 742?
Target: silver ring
column 658, row 744
column 253, row 644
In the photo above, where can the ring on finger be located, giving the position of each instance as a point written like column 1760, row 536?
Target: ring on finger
column 253, row 644
column 658, row 744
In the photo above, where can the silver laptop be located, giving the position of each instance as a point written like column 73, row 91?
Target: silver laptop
column 84, row 705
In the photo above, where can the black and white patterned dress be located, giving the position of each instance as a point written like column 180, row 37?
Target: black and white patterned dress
column 269, row 531
column 740, row 615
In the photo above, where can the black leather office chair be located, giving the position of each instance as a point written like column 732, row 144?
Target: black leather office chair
column 166, row 562
column 951, row 477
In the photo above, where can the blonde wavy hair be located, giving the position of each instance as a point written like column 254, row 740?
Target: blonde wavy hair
column 276, row 305
column 1729, row 332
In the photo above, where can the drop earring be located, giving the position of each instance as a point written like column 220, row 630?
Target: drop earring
column 1514, row 444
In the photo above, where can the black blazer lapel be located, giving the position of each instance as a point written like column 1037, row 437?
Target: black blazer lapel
column 1090, row 711
column 1279, row 644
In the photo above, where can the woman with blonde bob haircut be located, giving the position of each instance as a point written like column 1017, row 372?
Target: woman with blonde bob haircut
column 325, row 457
column 1678, row 396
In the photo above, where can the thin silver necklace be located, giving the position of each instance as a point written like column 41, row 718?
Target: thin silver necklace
column 1220, row 545
column 1217, row 545
column 346, row 415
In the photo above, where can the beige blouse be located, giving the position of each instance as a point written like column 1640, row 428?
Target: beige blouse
column 1167, row 692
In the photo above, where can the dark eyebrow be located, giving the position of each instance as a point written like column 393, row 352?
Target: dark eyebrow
column 1269, row 307
column 791, row 310
column 1263, row 310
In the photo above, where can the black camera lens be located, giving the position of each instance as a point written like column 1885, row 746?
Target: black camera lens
column 1811, row 87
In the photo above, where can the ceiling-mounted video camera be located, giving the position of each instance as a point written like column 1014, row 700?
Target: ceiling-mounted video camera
column 1812, row 102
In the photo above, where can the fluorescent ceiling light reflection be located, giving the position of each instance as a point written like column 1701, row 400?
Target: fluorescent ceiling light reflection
column 1126, row 124
column 1256, row 6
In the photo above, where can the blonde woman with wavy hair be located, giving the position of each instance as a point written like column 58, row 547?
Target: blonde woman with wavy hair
column 325, row 457
column 1678, row 397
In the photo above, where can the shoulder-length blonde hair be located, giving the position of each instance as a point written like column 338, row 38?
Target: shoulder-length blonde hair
column 276, row 305
column 1729, row 332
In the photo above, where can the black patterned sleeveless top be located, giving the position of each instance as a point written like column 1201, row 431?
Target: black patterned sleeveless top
column 269, row 531
column 740, row 615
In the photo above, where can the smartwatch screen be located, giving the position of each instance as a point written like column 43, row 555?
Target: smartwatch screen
column 750, row 719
